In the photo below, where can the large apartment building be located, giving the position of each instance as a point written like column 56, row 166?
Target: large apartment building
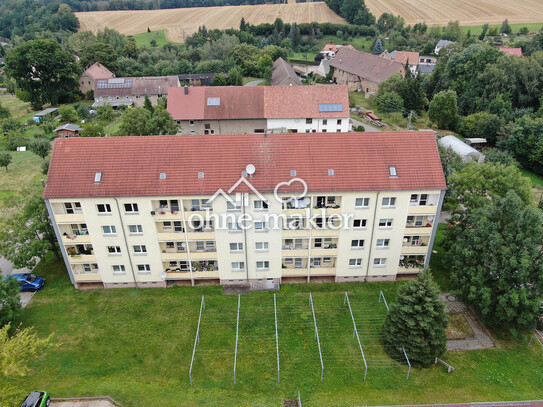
column 260, row 109
column 256, row 210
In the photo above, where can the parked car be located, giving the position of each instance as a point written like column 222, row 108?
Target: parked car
column 29, row 281
column 37, row 399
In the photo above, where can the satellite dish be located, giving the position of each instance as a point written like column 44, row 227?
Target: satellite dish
column 250, row 169
column 307, row 201
column 430, row 218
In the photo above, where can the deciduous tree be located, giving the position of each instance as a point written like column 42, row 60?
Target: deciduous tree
column 10, row 305
column 40, row 147
column 443, row 109
column 497, row 264
column 43, row 72
column 5, row 159
column 416, row 322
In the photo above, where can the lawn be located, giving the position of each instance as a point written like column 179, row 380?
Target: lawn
column 437, row 263
column 145, row 39
column 136, row 346
column 25, row 168
column 534, row 178
column 16, row 107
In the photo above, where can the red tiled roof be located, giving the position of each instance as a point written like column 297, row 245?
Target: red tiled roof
column 130, row 166
column 517, row 52
column 404, row 56
column 366, row 66
column 335, row 48
column 98, row 71
column 256, row 102
column 139, row 85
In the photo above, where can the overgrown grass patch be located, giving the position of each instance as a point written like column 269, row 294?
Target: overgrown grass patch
column 144, row 39
column 25, row 168
column 16, row 107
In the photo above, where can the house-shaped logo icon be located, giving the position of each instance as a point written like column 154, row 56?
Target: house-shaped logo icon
column 240, row 198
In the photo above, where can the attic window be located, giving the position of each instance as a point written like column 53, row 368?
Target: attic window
column 213, row 101
column 292, row 173
column 200, row 174
column 330, row 107
column 392, row 171
column 330, row 171
column 98, row 178
column 162, row 175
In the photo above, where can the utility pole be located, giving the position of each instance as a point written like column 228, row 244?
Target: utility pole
column 409, row 123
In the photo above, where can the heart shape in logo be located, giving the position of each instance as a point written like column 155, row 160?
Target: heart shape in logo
column 276, row 191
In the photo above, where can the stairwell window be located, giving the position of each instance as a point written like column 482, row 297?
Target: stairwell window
column 109, row 230
column 262, row 265
column 104, row 209
column 140, row 250
column 389, row 202
column 135, row 229
column 355, row 263
column 382, row 243
column 131, row 208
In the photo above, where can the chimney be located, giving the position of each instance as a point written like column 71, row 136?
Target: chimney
column 186, row 90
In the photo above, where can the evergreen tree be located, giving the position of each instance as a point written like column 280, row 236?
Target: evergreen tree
column 148, row 105
column 378, row 48
column 506, row 28
column 416, row 322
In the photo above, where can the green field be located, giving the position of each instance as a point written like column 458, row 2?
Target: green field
column 477, row 29
column 24, row 168
column 144, row 39
column 534, row 178
column 16, row 107
column 136, row 346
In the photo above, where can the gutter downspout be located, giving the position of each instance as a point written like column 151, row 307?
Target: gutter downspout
column 245, row 198
column 310, row 240
column 126, row 244
column 434, row 230
column 59, row 239
column 372, row 233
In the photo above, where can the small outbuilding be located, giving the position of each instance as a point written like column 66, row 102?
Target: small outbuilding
column 467, row 153
column 68, row 130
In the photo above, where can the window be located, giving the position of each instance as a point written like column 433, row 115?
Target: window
column 288, row 260
column 140, row 249
column 318, row 243
column 355, row 263
column 316, row 262
column 357, row 244
column 191, row 122
column 260, row 205
column 324, row 122
column 144, row 268
column 72, row 207
column 238, row 266
column 379, row 262
column 389, row 202
column 261, row 246
column 327, row 260
column 338, row 130
column 262, row 265
column 177, row 227
column 260, row 226
column 382, row 242
column 233, row 206
column 180, row 247
column 166, row 225
column 207, row 126
column 339, row 122
column 234, row 227
column 259, row 130
column 298, row 263
column 362, row 203
column 131, row 208
column 109, row 230
column 114, row 250
column 421, row 200
column 308, row 121
column 392, row 171
column 330, row 107
column 236, row 247
column 119, row 269
column 324, row 130
column 135, row 229
column 103, row 208
column 359, row 223
column 174, row 205
column 385, row 223
column 414, row 221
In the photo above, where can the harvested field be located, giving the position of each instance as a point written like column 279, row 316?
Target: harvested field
column 468, row 12
column 181, row 23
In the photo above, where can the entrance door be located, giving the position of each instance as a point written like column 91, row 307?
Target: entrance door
column 270, row 283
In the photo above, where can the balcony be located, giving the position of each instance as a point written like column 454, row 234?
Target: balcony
column 69, row 218
column 162, row 215
column 80, row 238
column 173, row 254
column 322, row 271
column 88, row 278
column 411, row 264
column 428, row 209
column 291, row 272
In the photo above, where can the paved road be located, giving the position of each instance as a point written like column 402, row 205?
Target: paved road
column 7, row 268
column 367, row 127
column 255, row 82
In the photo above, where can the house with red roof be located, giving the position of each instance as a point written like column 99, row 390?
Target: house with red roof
column 516, row 52
column 330, row 50
column 361, row 71
column 255, row 210
column 260, row 109
column 92, row 74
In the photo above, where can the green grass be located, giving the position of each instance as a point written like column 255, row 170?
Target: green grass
column 144, row 39
column 438, row 266
column 478, row 29
column 534, row 178
column 25, row 168
column 135, row 345
column 113, row 127
column 17, row 107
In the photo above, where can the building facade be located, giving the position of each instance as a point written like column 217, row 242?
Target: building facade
column 93, row 73
column 368, row 211
column 260, row 109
